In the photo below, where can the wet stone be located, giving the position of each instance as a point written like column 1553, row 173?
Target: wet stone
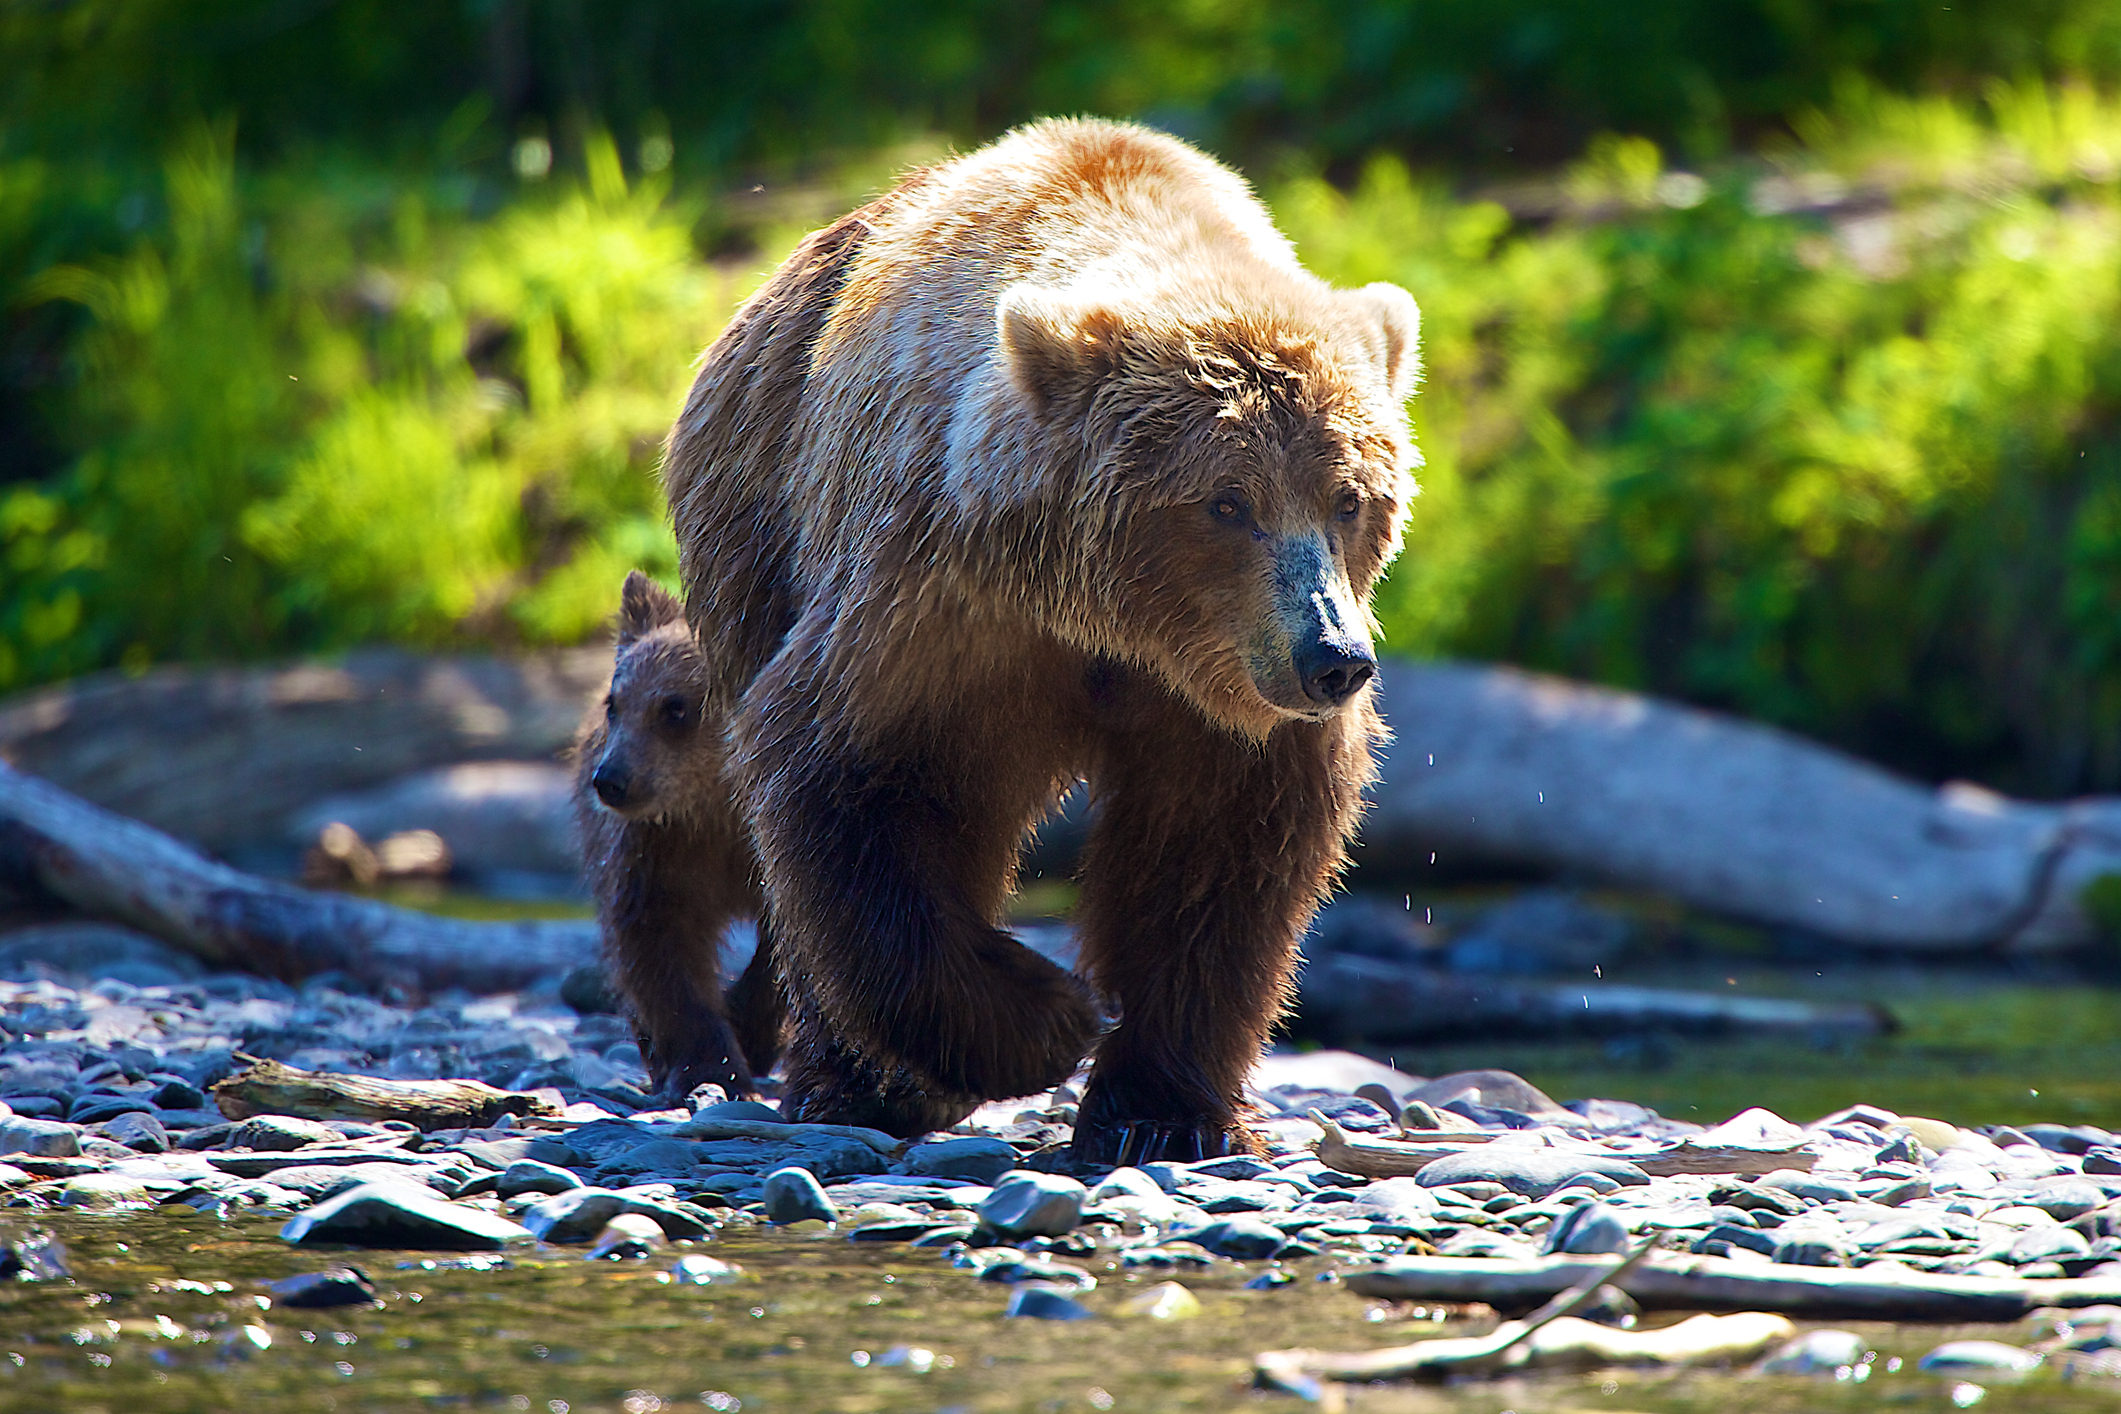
column 401, row 1214
column 95, row 1107
column 580, row 1214
column 1027, row 1204
column 531, row 1176
column 794, row 1195
column 626, row 1235
column 280, row 1134
column 334, row 1286
column 1043, row 1303
column 1979, row 1358
column 1528, row 1172
column 699, row 1270
column 106, row 1192
column 1242, row 1239
column 1018, row 1269
column 1590, row 1229
column 40, row 1138
column 137, row 1130
column 1816, row 1353
column 976, row 1160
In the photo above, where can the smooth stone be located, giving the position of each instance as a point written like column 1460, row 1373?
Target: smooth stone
column 746, row 1110
column 2067, row 1138
column 105, row 1192
column 1241, row 1197
column 334, row 1286
column 1982, row 1357
column 626, row 1235
column 656, row 1156
column 179, row 1094
column 2105, row 1160
column 1043, row 1303
column 1473, row 1242
column 1026, row 1204
column 137, row 1130
column 95, row 1108
column 1730, row 1235
column 1241, row 1239
column 1809, row 1252
column 1016, row 1269
column 401, row 1214
column 317, row 1182
column 1528, row 1172
column 281, row 1134
column 698, row 1270
column 976, row 1160
column 1165, row 1301
column 1494, row 1089
column 531, row 1176
column 1805, row 1185
column 1816, row 1353
column 2033, row 1245
column 1589, row 1229
column 2064, row 1199
column 1336, row 1072
column 793, row 1195
column 1126, row 1182
column 579, row 1214
column 39, row 1138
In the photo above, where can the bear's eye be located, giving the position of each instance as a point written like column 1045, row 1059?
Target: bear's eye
column 675, row 711
column 1350, row 505
column 1229, row 508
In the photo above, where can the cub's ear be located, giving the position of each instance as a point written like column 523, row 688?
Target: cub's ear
column 645, row 606
column 1396, row 326
column 1057, row 345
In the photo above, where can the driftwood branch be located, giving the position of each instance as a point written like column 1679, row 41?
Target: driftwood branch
column 1376, row 1157
column 110, row 867
column 1671, row 1282
column 269, row 1087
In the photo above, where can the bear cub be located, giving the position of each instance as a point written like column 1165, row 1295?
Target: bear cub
column 667, row 860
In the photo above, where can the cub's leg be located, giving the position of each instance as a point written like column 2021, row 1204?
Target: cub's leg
column 885, row 873
column 666, row 890
column 756, row 1006
column 1206, row 860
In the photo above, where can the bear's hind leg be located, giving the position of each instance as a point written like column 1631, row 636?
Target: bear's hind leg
column 1206, row 860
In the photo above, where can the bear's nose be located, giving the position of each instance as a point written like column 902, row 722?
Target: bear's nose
column 612, row 783
column 1333, row 672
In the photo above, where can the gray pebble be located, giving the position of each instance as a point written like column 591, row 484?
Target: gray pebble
column 794, row 1195
column 1025, row 1204
column 579, row 1214
column 976, row 1160
column 40, row 1138
column 1242, row 1239
column 1531, row 1173
column 530, row 1176
column 137, row 1130
column 1589, row 1229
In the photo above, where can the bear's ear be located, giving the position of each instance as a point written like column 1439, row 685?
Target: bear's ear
column 1396, row 321
column 645, row 606
column 1058, row 346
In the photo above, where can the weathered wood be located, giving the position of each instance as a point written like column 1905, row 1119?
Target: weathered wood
column 269, row 1087
column 1389, row 1002
column 222, row 756
column 1688, row 1283
column 1491, row 764
column 110, row 867
column 1374, row 1156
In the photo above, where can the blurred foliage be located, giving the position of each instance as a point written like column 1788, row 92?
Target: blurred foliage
column 324, row 321
column 1829, row 443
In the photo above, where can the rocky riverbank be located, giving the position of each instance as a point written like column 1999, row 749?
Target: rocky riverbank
column 115, row 1095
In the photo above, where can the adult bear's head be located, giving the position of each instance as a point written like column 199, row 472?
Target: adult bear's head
column 1222, row 479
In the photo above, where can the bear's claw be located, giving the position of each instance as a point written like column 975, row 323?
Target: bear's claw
column 1151, row 1141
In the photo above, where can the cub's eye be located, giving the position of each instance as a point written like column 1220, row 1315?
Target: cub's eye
column 1350, row 505
column 675, row 711
column 1230, row 508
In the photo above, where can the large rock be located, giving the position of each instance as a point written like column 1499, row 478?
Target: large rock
column 40, row 1138
column 1034, row 1205
column 402, row 1214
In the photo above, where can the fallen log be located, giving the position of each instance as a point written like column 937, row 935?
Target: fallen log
column 1500, row 766
column 1688, row 1283
column 268, row 1087
column 1389, row 1002
column 113, row 868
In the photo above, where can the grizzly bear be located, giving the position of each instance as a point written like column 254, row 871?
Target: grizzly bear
column 1051, row 464
column 667, row 858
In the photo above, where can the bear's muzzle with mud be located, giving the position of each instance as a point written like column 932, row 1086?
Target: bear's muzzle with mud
column 1052, row 465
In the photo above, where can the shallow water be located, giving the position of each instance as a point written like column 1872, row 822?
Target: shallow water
column 550, row 1331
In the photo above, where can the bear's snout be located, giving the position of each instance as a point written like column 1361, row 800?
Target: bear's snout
column 1333, row 671
column 612, row 782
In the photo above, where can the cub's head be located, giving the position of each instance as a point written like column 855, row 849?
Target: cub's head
column 1239, row 481
column 652, row 756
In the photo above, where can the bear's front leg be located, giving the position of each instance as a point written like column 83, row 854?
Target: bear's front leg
column 1208, row 856
column 884, row 878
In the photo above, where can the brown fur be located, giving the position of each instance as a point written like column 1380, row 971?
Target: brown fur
column 668, row 860
column 1052, row 464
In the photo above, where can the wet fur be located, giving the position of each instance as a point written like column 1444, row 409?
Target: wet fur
column 673, row 867
column 941, row 494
